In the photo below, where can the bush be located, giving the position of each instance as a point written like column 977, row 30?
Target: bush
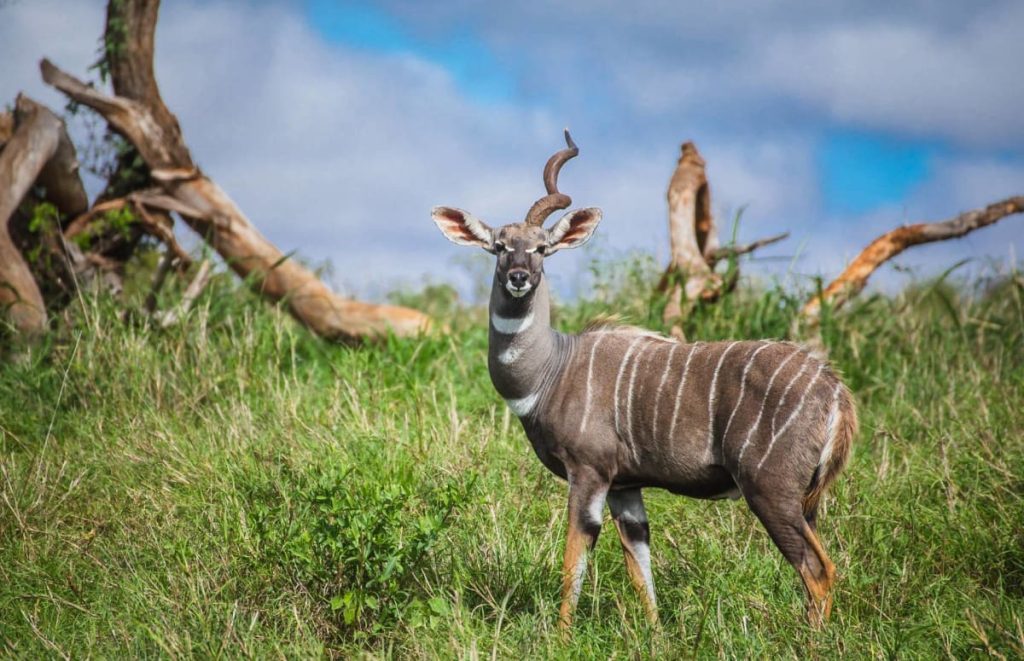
column 355, row 542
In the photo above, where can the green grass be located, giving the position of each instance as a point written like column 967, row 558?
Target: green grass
column 236, row 487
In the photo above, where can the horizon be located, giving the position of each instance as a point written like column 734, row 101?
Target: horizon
column 834, row 123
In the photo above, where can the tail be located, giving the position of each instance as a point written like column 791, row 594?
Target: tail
column 840, row 429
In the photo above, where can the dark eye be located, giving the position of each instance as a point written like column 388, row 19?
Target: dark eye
column 499, row 247
column 541, row 249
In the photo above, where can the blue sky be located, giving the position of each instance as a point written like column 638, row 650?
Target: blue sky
column 860, row 169
column 336, row 125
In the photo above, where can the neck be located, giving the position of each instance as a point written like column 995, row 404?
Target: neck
column 524, row 352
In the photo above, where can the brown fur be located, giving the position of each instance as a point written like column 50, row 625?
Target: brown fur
column 845, row 433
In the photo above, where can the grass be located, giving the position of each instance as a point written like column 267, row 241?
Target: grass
column 236, row 487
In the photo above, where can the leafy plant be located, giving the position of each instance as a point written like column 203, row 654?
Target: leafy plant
column 355, row 543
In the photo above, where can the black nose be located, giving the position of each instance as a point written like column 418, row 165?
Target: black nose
column 518, row 278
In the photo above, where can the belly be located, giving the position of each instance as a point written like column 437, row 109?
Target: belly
column 706, row 482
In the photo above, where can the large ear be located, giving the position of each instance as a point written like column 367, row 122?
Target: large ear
column 463, row 228
column 573, row 229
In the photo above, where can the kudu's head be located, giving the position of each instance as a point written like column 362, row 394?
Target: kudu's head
column 522, row 247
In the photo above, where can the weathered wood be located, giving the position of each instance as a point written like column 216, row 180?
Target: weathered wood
column 693, row 236
column 693, row 241
column 32, row 144
column 6, row 127
column 151, row 207
column 139, row 114
column 726, row 252
column 60, row 180
column 854, row 278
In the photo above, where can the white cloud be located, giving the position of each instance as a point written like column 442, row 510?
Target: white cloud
column 340, row 153
column 913, row 78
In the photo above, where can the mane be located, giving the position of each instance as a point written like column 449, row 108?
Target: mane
column 612, row 323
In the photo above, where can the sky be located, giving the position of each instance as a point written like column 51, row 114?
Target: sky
column 337, row 125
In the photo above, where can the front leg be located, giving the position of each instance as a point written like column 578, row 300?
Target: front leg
column 587, row 492
column 630, row 518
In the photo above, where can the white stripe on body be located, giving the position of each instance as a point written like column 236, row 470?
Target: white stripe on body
column 590, row 381
column 618, row 380
column 511, row 325
column 785, row 393
column 679, row 393
column 629, row 403
column 767, row 393
column 711, row 399
column 792, row 416
column 831, row 427
column 523, row 406
column 661, row 386
column 743, row 388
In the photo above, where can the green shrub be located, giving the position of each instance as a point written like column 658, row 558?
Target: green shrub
column 355, row 542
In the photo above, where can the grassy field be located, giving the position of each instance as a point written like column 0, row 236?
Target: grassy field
column 236, row 487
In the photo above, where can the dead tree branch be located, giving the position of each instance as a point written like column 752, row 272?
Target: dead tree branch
column 138, row 113
column 692, row 232
column 157, row 224
column 855, row 276
column 693, row 240
column 725, row 252
column 32, row 144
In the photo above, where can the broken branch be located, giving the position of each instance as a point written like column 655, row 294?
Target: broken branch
column 855, row 276
column 725, row 252
column 152, row 129
column 32, row 144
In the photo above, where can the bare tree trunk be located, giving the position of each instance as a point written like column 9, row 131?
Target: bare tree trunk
column 855, row 276
column 32, row 144
column 693, row 240
column 139, row 114
column 692, row 233
column 6, row 127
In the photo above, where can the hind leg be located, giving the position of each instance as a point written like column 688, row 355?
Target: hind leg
column 824, row 575
column 784, row 520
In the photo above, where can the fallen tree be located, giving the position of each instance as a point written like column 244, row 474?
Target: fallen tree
column 170, row 185
column 854, row 278
column 34, row 150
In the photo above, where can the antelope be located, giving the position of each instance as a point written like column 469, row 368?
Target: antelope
column 618, row 409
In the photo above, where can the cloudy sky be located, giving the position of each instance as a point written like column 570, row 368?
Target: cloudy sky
column 337, row 125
